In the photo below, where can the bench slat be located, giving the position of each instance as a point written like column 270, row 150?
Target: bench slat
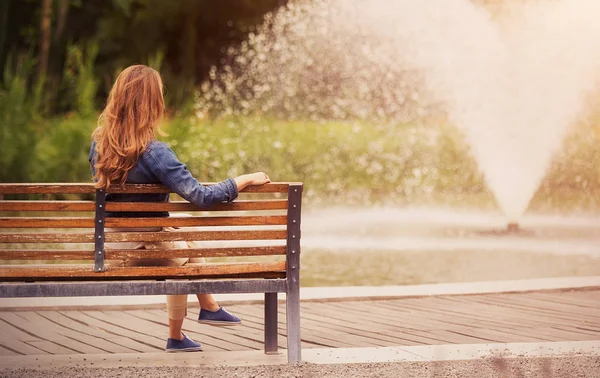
column 62, row 188
column 67, row 188
column 127, row 254
column 145, row 236
column 34, row 205
column 150, row 188
column 186, row 206
column 189, row 271
column 72, row 222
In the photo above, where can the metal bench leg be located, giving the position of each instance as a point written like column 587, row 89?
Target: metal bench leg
column 270, row 323
column 292, row 268
column 293, row 323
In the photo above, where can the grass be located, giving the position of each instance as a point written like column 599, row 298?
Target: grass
column 340, row 163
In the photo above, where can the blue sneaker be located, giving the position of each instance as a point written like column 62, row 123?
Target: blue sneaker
column 221, row 317
column 185, row 345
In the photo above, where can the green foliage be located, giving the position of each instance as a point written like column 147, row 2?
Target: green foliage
column 338, row 162
column 19, row 117
column 34, row 147
column 186, row 36
column 79, row 77
column 62, row 150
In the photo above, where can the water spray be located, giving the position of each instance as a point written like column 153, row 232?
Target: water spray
column 513, row 83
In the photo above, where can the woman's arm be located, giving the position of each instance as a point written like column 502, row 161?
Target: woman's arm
column 173, row 173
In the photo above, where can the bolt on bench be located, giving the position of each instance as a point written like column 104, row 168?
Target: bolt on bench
column 56, row 247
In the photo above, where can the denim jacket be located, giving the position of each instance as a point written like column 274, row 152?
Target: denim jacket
column 158, row 164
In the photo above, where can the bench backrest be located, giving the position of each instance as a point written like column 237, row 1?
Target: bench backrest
column 58, row 232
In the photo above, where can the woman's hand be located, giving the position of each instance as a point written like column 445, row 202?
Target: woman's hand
column 258, row 178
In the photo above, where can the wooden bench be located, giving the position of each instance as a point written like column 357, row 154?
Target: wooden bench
column 52, row 244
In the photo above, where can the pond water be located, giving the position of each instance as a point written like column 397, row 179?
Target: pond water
column 420, row 246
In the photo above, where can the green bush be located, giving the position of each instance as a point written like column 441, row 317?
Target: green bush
column 62, row 151
column 19, row 118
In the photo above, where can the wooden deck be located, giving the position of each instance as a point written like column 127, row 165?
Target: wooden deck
column 467, row 319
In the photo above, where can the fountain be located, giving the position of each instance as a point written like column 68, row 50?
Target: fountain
column 512, row 81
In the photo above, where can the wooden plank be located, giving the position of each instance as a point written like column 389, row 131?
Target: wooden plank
column 51, row 254
column 432, row 330
column 119, row 344
column 463, row 336
column 48, row 222
column 237, row 205
column 310, row 338
column 16, row 333
column 505, row 318
column 7, row 351
column 537, row 312
column 325, row 328
column 409, row 325
column 274, row 187
column 389, row 317
column 532, row 320
column 336, row 328
column 38, row 205
column 381, row 330
column 558, row 334
column 573, row 310
column 51, row 347
column 457, row 325
column 569, row 299
column 46, row 188
column 19, row 346
column 470, row 313
column 83, row 343
column 189, row 271
column 80, row 222
column 500, row 335
column 497, row 311
column 80, row 188
column 94, row 319
column 333, row 331
column 574, row 328
column 145, row 236
column 127, row 254
column 311, row 335
column 354, row 321
column 43, row 337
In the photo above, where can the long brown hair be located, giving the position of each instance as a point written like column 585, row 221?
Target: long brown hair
column 128, row 123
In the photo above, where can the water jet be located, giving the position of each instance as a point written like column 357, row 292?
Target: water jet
column 513, row 83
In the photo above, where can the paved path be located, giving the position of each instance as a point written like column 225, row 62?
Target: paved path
column 543, row 316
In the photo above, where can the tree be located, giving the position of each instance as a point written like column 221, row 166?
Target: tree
column 44, row 48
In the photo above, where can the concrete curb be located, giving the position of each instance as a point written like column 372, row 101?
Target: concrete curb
column 318, row 294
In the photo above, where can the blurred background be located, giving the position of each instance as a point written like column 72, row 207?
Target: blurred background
column 313, row 91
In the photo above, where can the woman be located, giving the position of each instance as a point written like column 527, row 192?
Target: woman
column 124, row 151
